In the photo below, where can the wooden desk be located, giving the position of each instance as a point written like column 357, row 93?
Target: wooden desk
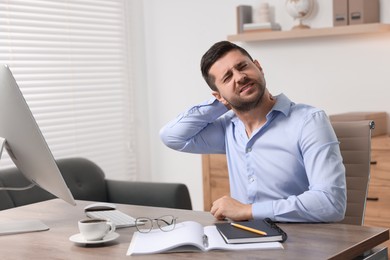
column 308, row 241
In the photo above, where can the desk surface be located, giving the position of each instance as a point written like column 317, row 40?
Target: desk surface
column 311, row 241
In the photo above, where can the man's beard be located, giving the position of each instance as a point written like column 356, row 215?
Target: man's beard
column 241, row 105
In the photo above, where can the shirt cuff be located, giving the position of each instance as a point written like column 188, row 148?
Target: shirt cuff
column 263, row 210
column 204, row 109
column 212, row 102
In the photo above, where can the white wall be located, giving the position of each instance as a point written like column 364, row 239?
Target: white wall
column 338, row 74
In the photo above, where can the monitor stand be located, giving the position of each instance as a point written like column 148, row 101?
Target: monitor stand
column 2, row 144
column 20, row 226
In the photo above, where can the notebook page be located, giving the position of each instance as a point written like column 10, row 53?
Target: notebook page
column 186, row 234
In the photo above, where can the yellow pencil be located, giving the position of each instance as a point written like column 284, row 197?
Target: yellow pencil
column 249, row 229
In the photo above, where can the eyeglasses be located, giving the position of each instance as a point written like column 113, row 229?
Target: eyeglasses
column 164, row 223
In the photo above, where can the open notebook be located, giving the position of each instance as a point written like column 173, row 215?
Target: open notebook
column 188, row 236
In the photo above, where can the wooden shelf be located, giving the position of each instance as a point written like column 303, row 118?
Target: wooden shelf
column 310, row 33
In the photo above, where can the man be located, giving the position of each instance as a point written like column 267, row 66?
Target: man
column 283, row 158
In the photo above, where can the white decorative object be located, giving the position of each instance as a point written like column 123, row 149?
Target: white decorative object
column 262, row 21
column 264, row 16
column 300, row 10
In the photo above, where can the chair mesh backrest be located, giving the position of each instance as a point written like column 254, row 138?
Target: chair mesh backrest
column 355, row 146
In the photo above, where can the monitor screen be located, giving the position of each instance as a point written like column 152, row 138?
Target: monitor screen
column 24, row 141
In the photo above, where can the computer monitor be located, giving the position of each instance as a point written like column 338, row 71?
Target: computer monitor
column 24, row 141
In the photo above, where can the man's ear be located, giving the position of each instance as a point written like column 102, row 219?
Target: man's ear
column 257, row 63
column 218, row 96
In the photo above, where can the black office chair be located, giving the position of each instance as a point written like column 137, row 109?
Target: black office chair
column 87, row 181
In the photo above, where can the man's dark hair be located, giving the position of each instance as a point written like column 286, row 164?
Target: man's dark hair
column 217, row 51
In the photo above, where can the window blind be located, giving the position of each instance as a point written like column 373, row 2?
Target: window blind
column 71, row 61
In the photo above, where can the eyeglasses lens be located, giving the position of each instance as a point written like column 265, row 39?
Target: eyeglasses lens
column 144, row 225
column 166, row 223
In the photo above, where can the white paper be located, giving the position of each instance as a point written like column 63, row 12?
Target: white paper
column 157, row 241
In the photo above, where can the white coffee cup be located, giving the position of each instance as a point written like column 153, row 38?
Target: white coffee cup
column 93, row 229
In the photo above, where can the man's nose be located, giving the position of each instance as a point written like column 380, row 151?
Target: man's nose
column 240, row 77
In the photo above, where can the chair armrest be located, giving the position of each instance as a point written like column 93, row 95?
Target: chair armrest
column 169, row 195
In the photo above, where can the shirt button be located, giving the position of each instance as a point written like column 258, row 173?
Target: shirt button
column 249, row 149
column 251, row 179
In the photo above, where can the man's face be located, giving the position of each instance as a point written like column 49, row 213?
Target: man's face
column 239, row 80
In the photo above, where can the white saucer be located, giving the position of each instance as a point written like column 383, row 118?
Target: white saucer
column 78, row 238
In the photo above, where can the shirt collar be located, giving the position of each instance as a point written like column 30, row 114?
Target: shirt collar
column 283, row 104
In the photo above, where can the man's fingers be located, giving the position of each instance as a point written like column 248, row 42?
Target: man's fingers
column 219, row 215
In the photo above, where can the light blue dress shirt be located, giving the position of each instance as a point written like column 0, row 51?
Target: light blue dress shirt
column 290, row 169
